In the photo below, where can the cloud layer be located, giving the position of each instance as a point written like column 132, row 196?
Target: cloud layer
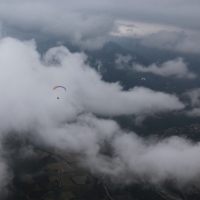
column 123, row 62
column 174, row 41
column 87, row 22
column 177, row 68
column 136, row 160
column 29, row 104
column 75, row 123
column 33, row 78
column 194, row 97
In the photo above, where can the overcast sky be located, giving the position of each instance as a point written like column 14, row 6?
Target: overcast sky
column 87, row 22
column 27, row 79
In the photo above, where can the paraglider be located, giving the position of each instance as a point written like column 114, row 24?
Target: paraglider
column 143, row 79
column 59, row 86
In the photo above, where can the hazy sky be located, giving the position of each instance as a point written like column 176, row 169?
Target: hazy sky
column 29, row 104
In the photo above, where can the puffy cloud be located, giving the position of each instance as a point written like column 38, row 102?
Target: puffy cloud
column 195, row 112
column 132, row 159
column 175, row 41
column 135, row 159
column 194, row 97
column 175, row 67
column 29, row 103
column 33, row 80
column 122, row 62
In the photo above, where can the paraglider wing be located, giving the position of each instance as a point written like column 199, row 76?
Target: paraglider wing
column 59, row 86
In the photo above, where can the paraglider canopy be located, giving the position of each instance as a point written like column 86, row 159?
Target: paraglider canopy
column 143, row 79
column 59, row 86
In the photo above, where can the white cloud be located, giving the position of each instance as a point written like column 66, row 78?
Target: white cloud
column 133, row 159
column 136, row 29
column 174, row 41
column 29, row 103
column 86, row 92
column 195, row 112
column 122, row 62
column 194, row 97
column 87, row 22
column 136, row 160
column 175, row 67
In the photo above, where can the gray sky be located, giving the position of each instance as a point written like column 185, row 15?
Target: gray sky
column 87, row 22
